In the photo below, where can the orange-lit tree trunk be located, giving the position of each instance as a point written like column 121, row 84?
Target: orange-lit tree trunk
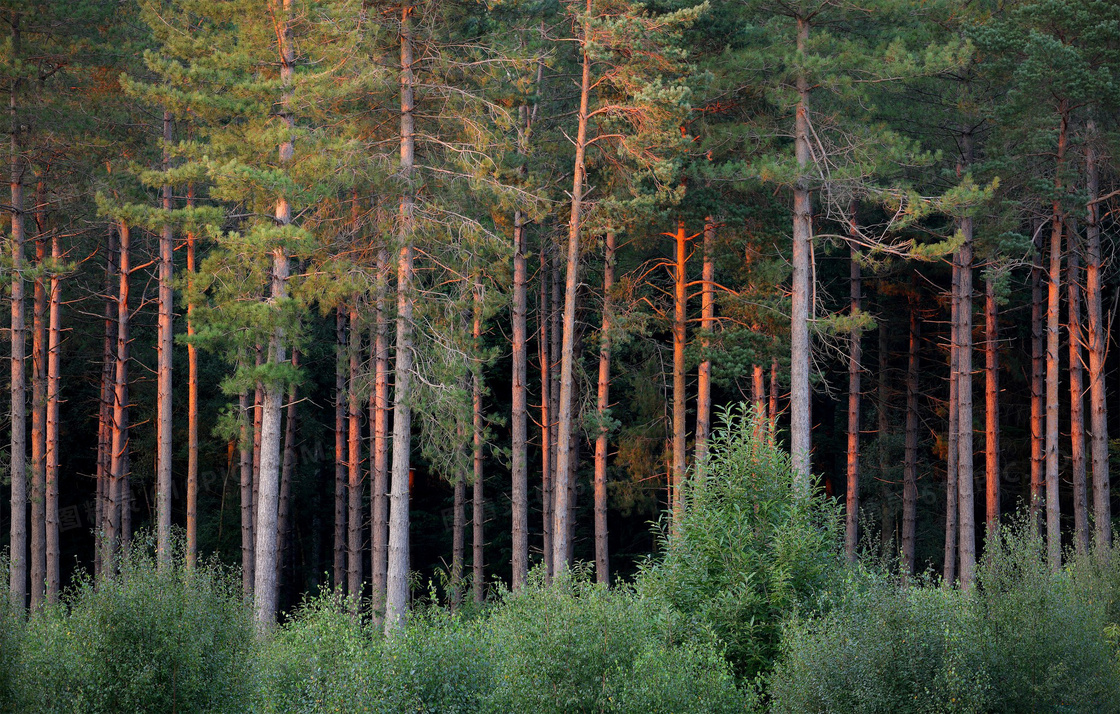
column 680, row 315
column 1053, row 323
column 354, row 465
column 54, row 344
column 379, row 418
column 544, row 354
column 396, row 596
column 991, row 405
column 773, row 407
column 602, row 552
column 118, row 476
column 565, row 422
column 477, row 503
column 910, row 466
column 704, row 373
column 17, row 566
column 340, row 461
column 38, row 422
column 851, row 511
column 555, row 342
column 519, row 493
column 1098, row 343
column 1076, row 396
column 1037, row 377
column 163, row 368
column 192, row 403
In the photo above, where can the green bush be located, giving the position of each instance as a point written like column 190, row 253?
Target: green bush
column 573, row 646
column 147, row 640
column 749, row 550
column 11, row 634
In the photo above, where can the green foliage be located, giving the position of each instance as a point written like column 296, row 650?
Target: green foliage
column 1025, row 639
column 147, row 640
column 748, row 551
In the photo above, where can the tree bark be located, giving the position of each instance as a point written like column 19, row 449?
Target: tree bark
column 38, row 424
column 17, row 567
column 560, row 530
column 105, row 417
column 883, row 437
column 340, row 459
column 396, row 600
column 192, row 403
column 1053, row 323
column 287, row 471
column 851, row 502
column 991, row 405
column 163, row 368
column 248, row 543
column 800, row 407
column 1098, row 343
column 547, row 450
column 118, row 483
column 704, row 373
column 910, row 468
column 519, row 487
column 949, row 569
column 965, row 482
column 773, row 407
column 379, row 490
column 680, row 315
column 477, row 504
column 458, row 529
column 54, row 344
column 602, row 551
column 1077, row 395
column 354, row 464
column 1037, row 377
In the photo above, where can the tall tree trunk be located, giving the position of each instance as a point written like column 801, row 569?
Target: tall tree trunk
column 547, row 450
column 602, row 554
column 519, row 487
column 1077, row 395
column 248, row 542
column 704, row 373
column 966, row 498
column 17, row 567
column 1098, row 412
column 340, row 460
column 458, row 530
column 54, row 344
column 105, row 417
column 555, row 342
column 118, row 483
column 1053, row 322
column 396, row 600
column 192, row 403
column 883, row 432
column 379, row 488
column 266, row 592
column 851, row 521
column 565, row 422
column 287, row 471
column 680, row 315
column 949, row 569
column 479, row 575
column 354, row 463
column 991, row 405
column 1037, row 377
column 163, row 368
column 800, row 408
column 910, row 469
column 38, row 424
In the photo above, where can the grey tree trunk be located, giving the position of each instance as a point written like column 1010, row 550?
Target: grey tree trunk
column 477, row 504
column 354, row 462
column 17, row 567
column 1053, row 324
column 949, row 569
column 340, row 460
column 163, row 368
column 1077, row 395
column 379, row 490
column 910, row 467
column 248, row 542
column 801, row 424
column 519, row 418
column 1098, row 344
column 965, row 483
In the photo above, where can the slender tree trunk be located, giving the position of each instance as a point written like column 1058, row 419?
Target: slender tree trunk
column 547, row 450
column 54, row 344
column 396, row 601
column 118, row 484
column 340, row 460
column 17, row 567
column 38, row 426
column 477, row 534
column 680, row 315
column 379, row 490
column 1037, row 376
column 952, row 481
column 602, row 554
column 1098, row 343
column 287, row 470
column 704, row 373
column 800, row 408
column 910, row 469
column 564, row 430
column 966, row 498
column 991, row 405
column 192, row 403
column 248, row 543
column 105, row 419
column 266, row 591
column 851, row 521
column 555, row 341
column 519, row 490
column 1053, row 322
column 883, row 430
column 163, row 369
column 1077, row 396
column 773, row 415
column 458, row 530
column 354, row 461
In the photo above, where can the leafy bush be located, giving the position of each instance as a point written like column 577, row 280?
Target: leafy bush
column 749, row 550
column 11, row 634
column 573, row 646
column 147, row 640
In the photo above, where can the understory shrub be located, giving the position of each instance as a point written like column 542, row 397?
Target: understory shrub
column 148, row 640
column 749, row 549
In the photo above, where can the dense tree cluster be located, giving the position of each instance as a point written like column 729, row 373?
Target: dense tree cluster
column 306, row 277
